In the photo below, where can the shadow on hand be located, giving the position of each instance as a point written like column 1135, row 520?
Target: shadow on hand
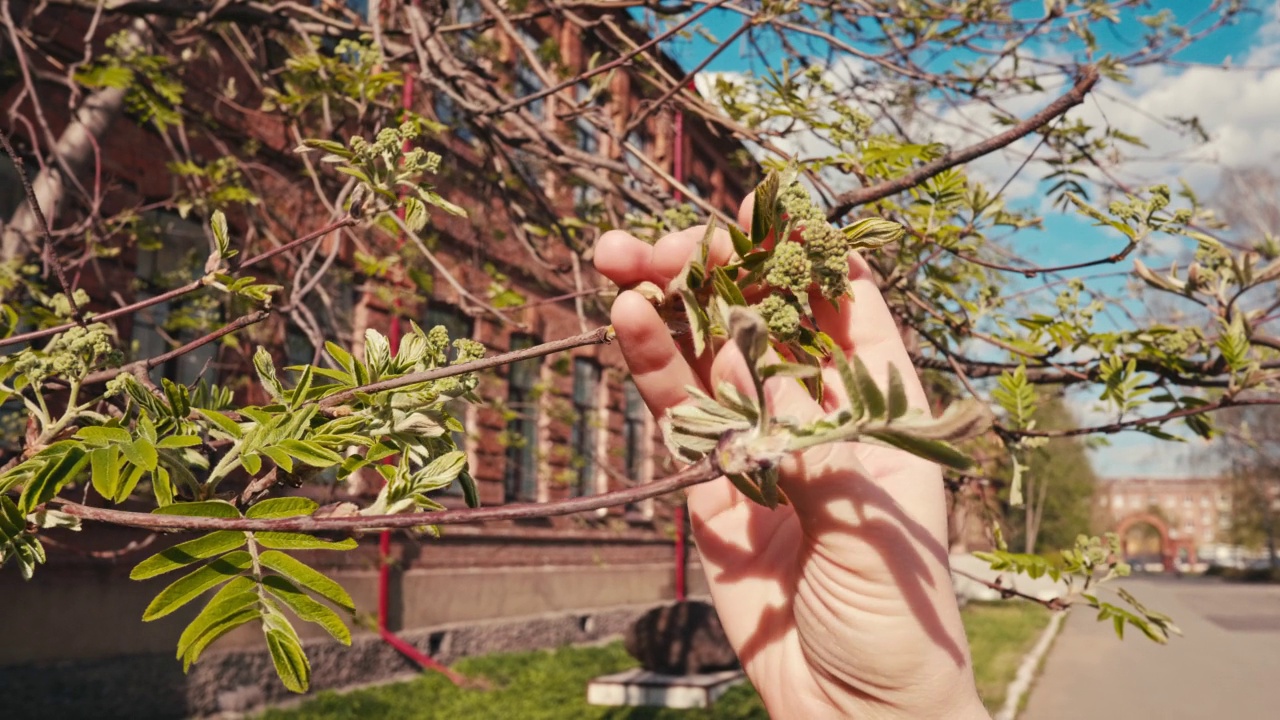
column 910, row 555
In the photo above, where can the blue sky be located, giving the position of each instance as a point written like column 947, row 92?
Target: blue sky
column 1238, row 107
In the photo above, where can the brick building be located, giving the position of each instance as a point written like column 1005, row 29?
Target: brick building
column 548, row 429
column 1195, row 511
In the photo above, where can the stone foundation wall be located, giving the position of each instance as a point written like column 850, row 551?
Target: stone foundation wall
column 75, row 648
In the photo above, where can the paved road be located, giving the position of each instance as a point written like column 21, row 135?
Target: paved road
column 1226, row 665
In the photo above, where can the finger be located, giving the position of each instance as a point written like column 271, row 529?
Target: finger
column 658, row 368
column 672, row 252
column 863, row 325
column 623, row 258
column 745, row 210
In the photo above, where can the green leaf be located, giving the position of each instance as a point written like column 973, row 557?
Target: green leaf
column 441, row 472
column 103, row 435
column 308, row 609
column 218, row 224
column 933, row 450
column 307, row 577
column 204, row 508
column 231, row 599
column 310, row 453
column 183, row 554
column 741, row 243
column 342, row 357
column 302, row 387
column 291, row 663
column 280, row 457
column 747, row 487
column 252, row 462
column 179, row 398
column 178, row 441
column 725, row 287
column 141, row 452
column 105, row 471
column 267, row 373
column 415, row 213
column 763, row 213
column 282, row 507
column 850, row 383
column 217, row 630
column 867, row 388
column 224, row 423
column 130, row 482
column 50, row 478
column 897, row 394
column 470, row 493
column 791, row 370
column 191, row 586
column 162, row 487
column 300, row 541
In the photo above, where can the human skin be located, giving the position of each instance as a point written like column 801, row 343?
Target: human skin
column 840, row 605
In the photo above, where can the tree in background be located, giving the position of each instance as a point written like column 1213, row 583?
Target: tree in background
column 1060, row 485
column 291, row 137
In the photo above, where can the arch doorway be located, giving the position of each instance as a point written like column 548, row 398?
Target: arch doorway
column 1144, row 537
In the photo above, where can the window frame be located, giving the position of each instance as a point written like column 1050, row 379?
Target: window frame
column 584, row 436
column 520, row 472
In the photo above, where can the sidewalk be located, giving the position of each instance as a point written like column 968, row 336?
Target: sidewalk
column 1227, row 665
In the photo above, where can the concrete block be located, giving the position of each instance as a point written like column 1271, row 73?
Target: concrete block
column 639, row 687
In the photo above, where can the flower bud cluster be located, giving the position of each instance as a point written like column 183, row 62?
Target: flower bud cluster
column 781, row 316
column 789, row 268
column 70, row 354
column 821, row 255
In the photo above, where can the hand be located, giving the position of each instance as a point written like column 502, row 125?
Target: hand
column 841, row 604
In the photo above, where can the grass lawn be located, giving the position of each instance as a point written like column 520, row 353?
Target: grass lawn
column 1000, row 634
column 551, row 685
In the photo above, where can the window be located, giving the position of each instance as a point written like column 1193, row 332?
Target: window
column 635, row 435
column 586, row 394
column 332, row 319
column 13, row 416
column 447, row 113
column 696, row 188
column 521, row 476
column 527, row 81
column 459, row 326
column 12, row 194
column 467, row 11
column 178, row 258
column 1119, row 501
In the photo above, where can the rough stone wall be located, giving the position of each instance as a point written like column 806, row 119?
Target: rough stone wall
column 152, row 686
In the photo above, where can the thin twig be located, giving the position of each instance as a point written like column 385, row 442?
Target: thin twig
column 695, row 474
column 178, row 291
column 50, row 255
column 853, row 198
column 598, row 336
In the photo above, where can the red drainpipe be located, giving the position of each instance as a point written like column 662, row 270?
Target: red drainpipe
column 677, row 171
column 426, row 662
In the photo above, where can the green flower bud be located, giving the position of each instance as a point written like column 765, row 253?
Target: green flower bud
column 790, row 268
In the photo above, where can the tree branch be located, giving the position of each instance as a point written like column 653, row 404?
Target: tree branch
column 599, row 336
column 33, row 203
column 853, row 198
column 701, row 472
column 178, row 291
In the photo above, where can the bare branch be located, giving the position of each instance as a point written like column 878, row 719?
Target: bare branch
column 696, row 474
column 849, row 200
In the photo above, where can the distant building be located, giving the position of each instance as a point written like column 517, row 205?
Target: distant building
column 1196, row 511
